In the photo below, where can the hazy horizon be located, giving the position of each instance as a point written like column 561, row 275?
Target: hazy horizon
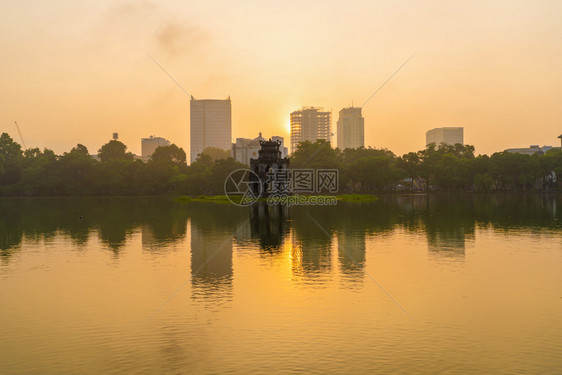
column 78, row 72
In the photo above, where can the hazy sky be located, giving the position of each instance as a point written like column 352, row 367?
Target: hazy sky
column 77, row 71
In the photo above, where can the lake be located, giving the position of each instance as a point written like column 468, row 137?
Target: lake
column 406, row 284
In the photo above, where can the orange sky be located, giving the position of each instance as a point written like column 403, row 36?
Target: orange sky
column 75, row 72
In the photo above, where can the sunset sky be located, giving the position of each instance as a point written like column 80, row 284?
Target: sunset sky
column 77, row 71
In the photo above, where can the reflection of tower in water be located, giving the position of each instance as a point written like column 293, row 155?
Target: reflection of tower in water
column 269, row 224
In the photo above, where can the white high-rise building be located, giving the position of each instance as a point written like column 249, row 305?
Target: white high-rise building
column 245, row 149
column 310, row 124
column 351, row 128
column 448, row 135
column 210, row 125
column 149, row 145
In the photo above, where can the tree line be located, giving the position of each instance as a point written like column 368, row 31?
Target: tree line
column 36, row 172
column 115, row 171
column 437, row 167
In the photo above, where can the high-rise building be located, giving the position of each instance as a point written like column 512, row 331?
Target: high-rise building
column 211, row 125
column 309, row 124
column 449, row 136
column 149, row 145
column 351, row 128
column 245, row 149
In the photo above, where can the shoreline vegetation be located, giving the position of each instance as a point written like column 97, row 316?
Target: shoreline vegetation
column 354, row 198
column 363, row 172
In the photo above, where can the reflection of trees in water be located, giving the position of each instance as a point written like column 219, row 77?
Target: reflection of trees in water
column 11, row 228
column 165, row 227
column 447, row 221
column 113, row 219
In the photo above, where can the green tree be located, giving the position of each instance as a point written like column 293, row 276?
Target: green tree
column 10, row 162
column 76, row 169
column 40, row 173
column 172, row 154
column 114, row 150
column 317, row 155
column 216, row 153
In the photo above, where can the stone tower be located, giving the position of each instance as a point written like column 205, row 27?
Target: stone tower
column 268, row 166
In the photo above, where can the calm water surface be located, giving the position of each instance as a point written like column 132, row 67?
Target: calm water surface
column 409, row 284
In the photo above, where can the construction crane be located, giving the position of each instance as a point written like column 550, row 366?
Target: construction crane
column 21, row 137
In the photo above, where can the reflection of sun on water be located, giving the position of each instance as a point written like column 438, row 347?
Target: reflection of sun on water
column 293, row 250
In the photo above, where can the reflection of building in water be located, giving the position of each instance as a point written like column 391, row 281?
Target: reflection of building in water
column 269, row 224
column 311, row 256
column 446, row 244
column 211, row 260
column 148, row 240
column 351, row 252
column 448, row 241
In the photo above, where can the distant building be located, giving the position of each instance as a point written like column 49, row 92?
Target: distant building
column 449, row 136
column 282, row 148
column 210, row 125
column 533, row 149
column 149, row 145
column 351, row 128
column 245, row 149
column 310, row 124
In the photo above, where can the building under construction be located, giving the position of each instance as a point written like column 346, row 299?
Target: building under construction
column 310, row 124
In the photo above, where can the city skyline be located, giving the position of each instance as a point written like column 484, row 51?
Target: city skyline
column 491, row 68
